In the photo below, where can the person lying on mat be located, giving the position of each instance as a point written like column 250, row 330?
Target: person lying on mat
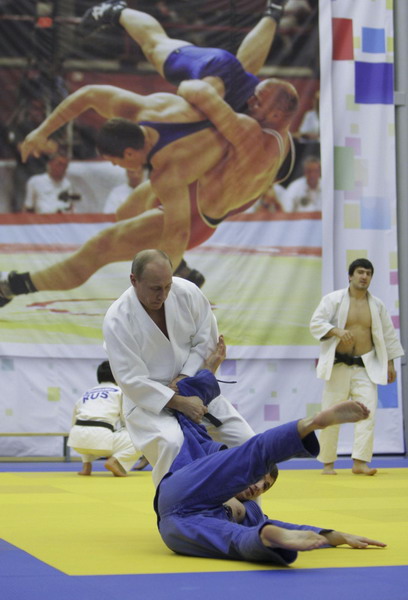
column 205, row 503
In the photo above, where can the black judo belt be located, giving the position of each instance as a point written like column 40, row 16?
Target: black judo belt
column 94, row 424
column 348, row 360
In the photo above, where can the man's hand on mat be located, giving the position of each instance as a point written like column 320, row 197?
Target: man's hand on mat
column 336, row 538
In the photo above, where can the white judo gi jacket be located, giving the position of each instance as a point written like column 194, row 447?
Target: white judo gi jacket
column 101, row 403
column 332, row 312
column 144, row 361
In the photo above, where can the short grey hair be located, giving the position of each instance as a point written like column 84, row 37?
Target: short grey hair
column 143, row 258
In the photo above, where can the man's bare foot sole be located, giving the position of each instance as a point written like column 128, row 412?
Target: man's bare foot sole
column 277, row 537
column 344, row 412
column 114, row 467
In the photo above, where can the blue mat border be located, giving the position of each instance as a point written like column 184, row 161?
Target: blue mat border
column 24, row 577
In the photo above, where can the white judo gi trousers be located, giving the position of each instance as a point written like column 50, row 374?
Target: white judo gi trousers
column 120, row 447
column 349, row 382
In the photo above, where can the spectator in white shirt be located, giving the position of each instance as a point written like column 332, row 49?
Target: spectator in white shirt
column 310, row 127
column 51, row 192
column 304, row 194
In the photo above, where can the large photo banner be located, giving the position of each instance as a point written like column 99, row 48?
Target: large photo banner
column 71, row 221
column 255, row 251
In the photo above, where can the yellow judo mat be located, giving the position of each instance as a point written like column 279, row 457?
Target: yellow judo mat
column 102, row 525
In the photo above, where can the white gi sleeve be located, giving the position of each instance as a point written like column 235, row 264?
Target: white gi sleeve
column 205, row 339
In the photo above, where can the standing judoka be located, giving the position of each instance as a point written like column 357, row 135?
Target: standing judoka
column 160, row 330
column 358, row 345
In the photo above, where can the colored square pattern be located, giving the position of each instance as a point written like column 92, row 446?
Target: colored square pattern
column 375, row 213
column 361, row 171
column 342, row 39
column 271, row 412
column 394, row 277
column 343, row 168
column 355, row 193
column 374, row 83
column 393, row 260
column 7, row 364
column 395, row 321
column 352, row 194
column 353, row 255
column 350, row 103
column 388, row 396
column 373, row 40
column 354, row 142
column 54, row 394
column 352, row 216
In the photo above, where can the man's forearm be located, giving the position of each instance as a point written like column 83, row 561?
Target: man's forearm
column 206, row 99
column 65, row 112
column 191, row 406
column 177, row 402
column 334, row 332
column 37, row 141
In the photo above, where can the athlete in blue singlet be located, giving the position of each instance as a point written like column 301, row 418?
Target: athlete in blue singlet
column 185, row 61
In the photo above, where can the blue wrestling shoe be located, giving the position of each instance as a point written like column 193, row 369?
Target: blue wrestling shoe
column 102, row 15
column 275, row 9
column 5, row 292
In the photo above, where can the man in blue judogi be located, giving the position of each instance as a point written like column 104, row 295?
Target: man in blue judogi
column 205, row 503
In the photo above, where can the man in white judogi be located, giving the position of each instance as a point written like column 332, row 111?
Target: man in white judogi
column 160, row 330
column 98, row 429
column 358, row 345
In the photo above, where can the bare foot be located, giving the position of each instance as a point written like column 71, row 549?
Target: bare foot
column 360, row 467
column 86, row 469
column 328, row 469
column 115, row 467
column 291, row 539
column 344, row 412
column 141, row 464
column 217, row 356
